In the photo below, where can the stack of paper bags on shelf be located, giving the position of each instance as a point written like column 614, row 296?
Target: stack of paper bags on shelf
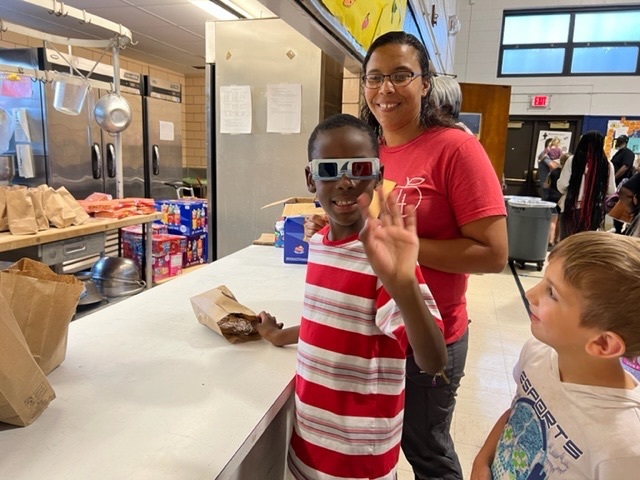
column 26, row 211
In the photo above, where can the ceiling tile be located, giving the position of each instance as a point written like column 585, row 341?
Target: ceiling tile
column 180, row 15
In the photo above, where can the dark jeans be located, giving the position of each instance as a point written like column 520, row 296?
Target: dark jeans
column 428, row 408
column 617, row 224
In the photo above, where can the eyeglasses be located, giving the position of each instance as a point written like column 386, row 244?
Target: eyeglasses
column 330, row 169
column 398, row 79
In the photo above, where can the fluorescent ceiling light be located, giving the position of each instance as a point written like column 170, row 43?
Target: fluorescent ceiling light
column 237, row 8
column 214, row 10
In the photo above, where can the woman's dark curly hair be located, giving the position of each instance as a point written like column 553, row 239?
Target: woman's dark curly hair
column 429, row 115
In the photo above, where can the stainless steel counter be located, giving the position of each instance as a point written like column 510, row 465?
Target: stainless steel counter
column 146, row 392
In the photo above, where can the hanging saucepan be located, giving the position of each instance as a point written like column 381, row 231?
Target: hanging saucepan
column 113, row 113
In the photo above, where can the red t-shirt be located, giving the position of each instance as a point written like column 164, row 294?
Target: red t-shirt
column 446, row 173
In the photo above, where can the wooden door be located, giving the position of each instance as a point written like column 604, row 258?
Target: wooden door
column 492, row 102
column 518, row 162
column 522, row 149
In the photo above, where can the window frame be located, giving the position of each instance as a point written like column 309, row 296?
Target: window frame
column 568, row 46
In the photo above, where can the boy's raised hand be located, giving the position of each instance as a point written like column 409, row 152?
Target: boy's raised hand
column 312, row 224
column 390, row 241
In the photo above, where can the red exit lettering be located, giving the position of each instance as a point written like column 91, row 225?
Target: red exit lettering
column 540, row 100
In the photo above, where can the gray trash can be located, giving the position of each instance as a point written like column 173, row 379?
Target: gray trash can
column 507, row 198
column 528, row 229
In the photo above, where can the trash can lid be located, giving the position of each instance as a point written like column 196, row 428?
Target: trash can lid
column 530, row 202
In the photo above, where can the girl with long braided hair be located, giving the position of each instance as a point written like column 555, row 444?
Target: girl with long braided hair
column 586, row 179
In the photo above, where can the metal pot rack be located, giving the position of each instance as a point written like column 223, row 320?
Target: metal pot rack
column 119, row 38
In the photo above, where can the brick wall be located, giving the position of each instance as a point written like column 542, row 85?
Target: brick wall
column 351, row 93
column 193, row 91
column 194, row 145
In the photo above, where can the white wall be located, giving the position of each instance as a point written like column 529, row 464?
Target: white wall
column 440, row 45
column 476, row 61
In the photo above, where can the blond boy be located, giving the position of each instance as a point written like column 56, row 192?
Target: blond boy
column 576, row 413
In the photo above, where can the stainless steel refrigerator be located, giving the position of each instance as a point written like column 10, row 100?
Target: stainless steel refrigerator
column 162, row 113
column 72, row 150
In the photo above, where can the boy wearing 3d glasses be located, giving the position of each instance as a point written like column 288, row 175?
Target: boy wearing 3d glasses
column 366, row 308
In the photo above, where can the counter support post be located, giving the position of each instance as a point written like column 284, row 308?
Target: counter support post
column 148, row 253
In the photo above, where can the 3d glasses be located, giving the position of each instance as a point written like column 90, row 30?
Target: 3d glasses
column 328, row 169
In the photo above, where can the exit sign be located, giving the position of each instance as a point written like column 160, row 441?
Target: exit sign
column 540, row 101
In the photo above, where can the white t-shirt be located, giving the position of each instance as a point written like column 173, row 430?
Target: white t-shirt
column 566, row 431
column 565, row 176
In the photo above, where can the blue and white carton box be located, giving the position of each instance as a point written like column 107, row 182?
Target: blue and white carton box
column 296, row 250
column 183, row 216
column 294, row 209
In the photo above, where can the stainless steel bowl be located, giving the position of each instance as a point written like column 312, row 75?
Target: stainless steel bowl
column 91, row 294
column 117, row 277
column 113, row 113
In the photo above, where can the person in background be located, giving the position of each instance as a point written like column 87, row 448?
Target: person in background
column 576, row 412
column 623, row 166
column 446, row 96
column 587, row 177
column 443, row 174
column 553, row 195
column 629, row 194
column 548, row 160
column 366, row 308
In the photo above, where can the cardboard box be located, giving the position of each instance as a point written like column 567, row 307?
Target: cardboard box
column 183, row 216
column 294, row 209
column 167, row 251
column 195, row 250
column 292, row 206
column 162, row 244
column 163, row 267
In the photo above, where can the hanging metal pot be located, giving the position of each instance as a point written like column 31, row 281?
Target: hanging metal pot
column 112, row 113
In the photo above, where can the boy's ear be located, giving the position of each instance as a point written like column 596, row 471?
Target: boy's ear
column 311, row 185
column 606, row 345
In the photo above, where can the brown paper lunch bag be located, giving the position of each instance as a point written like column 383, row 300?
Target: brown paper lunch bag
column 24, row 390
column 38, row 208
column 4, row 221
column 219, row 310
column 43, row 304
column 81, row 215
column 59, row 213
column 20, row 212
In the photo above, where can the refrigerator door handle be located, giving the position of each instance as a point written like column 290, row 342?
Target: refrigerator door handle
column 111, row 160
column 96, row 161
column 156, row 160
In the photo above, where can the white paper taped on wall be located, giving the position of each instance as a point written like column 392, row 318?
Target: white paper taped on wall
column 166, row 131
column 284, row 107
column 235, row 109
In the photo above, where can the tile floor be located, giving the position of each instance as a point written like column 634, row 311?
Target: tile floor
column 499, row 328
